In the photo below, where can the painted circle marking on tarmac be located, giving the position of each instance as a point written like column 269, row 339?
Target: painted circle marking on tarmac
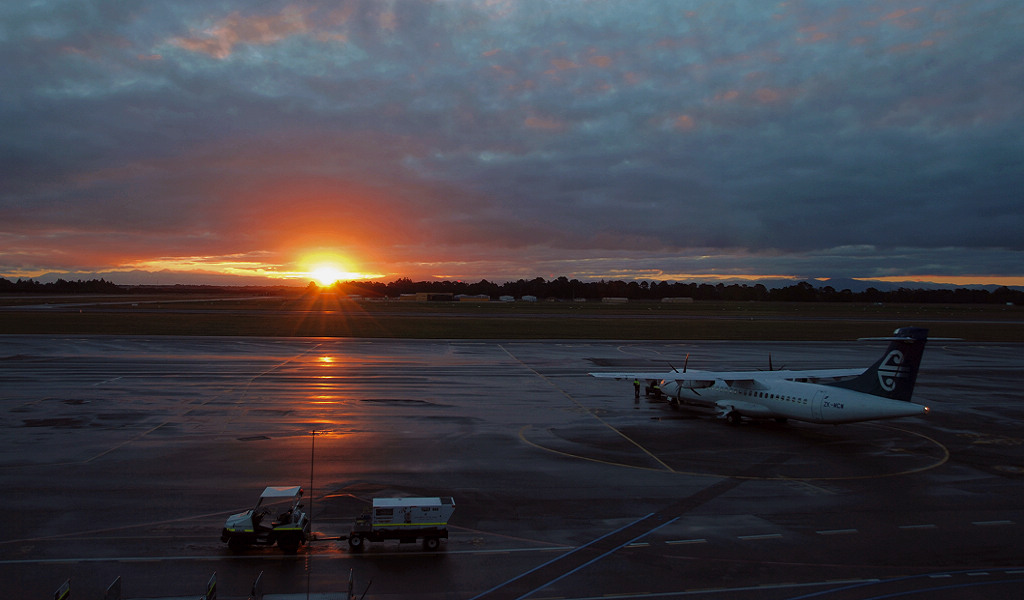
column 941, row 457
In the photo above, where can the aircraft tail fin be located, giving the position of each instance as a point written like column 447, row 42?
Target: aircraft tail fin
column 893, row 375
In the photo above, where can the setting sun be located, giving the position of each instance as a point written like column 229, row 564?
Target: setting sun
column 327, row 268
column 326, row 275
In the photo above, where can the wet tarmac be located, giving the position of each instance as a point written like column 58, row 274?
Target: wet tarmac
column 122, row 456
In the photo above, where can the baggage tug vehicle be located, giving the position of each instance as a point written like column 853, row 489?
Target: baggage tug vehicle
column 276, row 518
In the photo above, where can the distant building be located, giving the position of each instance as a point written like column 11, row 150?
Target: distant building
column 615, row 300
column 529, row 298
column 427, row 297
column 476, row 298
column 507, row 299
column 679, row 300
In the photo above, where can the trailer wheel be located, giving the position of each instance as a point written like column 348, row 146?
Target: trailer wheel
column 355, row 542
column 431, row 543
column 289, row 544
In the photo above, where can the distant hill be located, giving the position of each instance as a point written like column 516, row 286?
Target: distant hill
column 857, row 285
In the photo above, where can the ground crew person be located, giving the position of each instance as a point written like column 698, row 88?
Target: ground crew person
column 636, row 390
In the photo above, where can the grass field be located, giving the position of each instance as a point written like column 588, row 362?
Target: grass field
column 327, row 315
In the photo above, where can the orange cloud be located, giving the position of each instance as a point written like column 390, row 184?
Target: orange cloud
column 767, row 95
column 899, row 14
column 817, row 36
column 901, row 18
column 727, row 96
column 600, row 61
column 684, row 123
column 388, row 20
column 220, row 40
column 899, row 48
column 633, row 78
column 562, row 64
column 544, row 123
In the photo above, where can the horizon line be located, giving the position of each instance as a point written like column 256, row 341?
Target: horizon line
column 954, row 281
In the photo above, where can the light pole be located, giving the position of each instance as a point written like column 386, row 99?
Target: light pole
column 312, row 458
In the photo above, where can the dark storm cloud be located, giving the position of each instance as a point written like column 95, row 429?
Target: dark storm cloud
column 804, row 138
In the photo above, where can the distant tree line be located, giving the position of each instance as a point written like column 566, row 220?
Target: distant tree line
column 61, row 286
column 563, row 288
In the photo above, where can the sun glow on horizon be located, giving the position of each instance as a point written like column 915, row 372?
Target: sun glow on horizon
column 325, row 275
column 326, row 269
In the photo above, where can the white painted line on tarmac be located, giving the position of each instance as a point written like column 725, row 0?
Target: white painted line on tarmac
column 726, row 591
column 764, row 536
column 926, row 526
column 590, row 543
column 992, row 523
column 271, row 557
column 693, row 541
column 837, row 531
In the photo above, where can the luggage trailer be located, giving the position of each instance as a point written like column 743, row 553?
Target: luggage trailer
column 405, row 520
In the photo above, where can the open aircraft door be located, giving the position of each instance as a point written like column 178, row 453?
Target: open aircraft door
column 819, row 398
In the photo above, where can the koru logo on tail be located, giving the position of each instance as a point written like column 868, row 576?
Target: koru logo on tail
column 891, row 369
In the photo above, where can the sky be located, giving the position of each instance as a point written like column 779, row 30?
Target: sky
column 217, row 141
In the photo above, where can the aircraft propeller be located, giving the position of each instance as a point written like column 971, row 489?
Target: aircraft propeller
column 770, row 367
column 679, row 382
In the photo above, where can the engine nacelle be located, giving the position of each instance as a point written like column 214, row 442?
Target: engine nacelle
column 673, row 387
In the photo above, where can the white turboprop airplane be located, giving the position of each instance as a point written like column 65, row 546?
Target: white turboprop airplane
column 818, row 396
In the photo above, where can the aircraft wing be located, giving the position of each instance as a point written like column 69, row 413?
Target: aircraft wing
column 658, row 376
column 690, row 379
column 808, row 375
column 695, row 378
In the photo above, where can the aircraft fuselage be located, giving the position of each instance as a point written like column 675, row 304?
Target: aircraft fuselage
column 800, row 401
